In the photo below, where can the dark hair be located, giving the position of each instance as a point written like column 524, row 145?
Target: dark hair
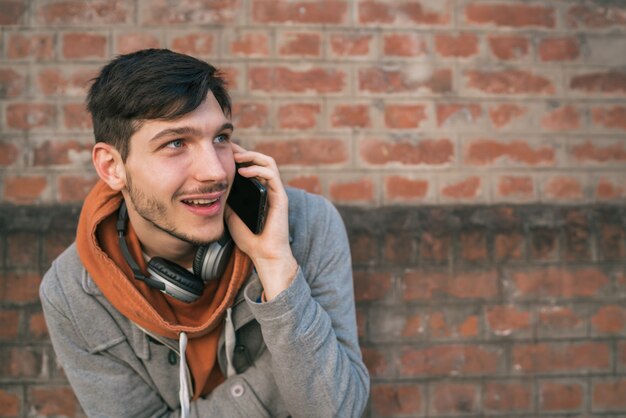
column 149, row 84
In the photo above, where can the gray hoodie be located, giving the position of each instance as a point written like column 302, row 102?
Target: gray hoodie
column 296, row 355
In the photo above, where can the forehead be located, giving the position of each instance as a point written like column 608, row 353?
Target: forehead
column 206, row 118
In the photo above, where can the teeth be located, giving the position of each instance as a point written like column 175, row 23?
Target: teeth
column 201, row 201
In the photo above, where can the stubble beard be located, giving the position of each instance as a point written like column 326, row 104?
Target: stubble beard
column 155, row 213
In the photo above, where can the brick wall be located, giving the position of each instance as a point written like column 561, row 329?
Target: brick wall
column 369, row 102
column 476, row 149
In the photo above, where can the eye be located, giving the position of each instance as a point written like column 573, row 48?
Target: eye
column 177, row 143
column 221, row 138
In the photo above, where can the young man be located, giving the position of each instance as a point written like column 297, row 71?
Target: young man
column 139, row 326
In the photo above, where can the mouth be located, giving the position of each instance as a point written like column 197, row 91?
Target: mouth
column 200, row 203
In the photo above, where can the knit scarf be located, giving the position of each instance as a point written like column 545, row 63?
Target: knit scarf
column 202, row 320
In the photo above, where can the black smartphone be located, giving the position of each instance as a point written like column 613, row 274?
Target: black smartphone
column 248, row 198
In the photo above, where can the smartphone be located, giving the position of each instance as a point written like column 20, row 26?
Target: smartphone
column 248, row 198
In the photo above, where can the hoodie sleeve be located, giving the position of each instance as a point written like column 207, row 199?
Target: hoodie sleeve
column 310, row 328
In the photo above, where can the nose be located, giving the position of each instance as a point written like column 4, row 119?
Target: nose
column 208, row 165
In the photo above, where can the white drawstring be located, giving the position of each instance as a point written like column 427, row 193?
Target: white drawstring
column 184, row 388
column 229, row 343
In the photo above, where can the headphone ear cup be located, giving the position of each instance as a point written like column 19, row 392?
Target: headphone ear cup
column 179, row 282
column 211, row 260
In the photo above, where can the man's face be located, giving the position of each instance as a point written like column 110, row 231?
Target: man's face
column 178, row 174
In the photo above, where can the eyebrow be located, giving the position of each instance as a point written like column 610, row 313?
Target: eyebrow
column 188, row 130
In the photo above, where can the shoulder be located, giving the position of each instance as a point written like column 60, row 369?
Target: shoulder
column 308, row 207
column 64, row 274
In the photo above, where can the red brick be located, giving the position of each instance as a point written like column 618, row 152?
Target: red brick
column 609, row 82
column 37, row 327
column 563, row 188
column 163, row 12
column 509, row 82
column 403, row 189
column 435, row 246
column 328, row 12
column 53, row 401
column 25, row 116
column 370, row 286
column 509, row 47
column 572, row 357
column 20, row 362
column 39, row 46
column 596, row 16
column 401, row 116
column 413, row 326
column 351, row 44
column 507, row 396
column 11, row 12
column 509, row 246
column 399, row 247
column 438, row 326
column 513, row 15
column 397, row 399
column 609, row 395
column 613, row 117
column 462, row 45
column 464, row 189
column 9, row 324
column 470, row 327
column 20, row 287
column 404, row 45
column 23, row 249
column 364, row 248
column 311, row 184
column 473, row 244
column 134, row 41
column 507, row 320
column 361, row 190
column 559, row 49
column 612, row 241
column 426, row 151
column 300, row 44
column 520, row 187
column 564, row 283
column 251, row 44
column 298, row 115
column 609, row 319
column 375, row 362
column 52, row 153
column 72, row 12
column 557, row 396
column 379, row 80
column 8, row 154
column 501, row 115
column 489, row 151
column 350, row 116
column 9, row 402
column 448, row 113
column 597, row 152
column 84, row 45
column 449, row 360
column 248, row 115
column 454, row 398
column 24, row 189
column 401, row 12
column 565, row 118
column 194, row 44
column 72, row 188
column 76, row 117
column 558, row 320
column 281, row 79
column 544, row 244
column 52, row 81
column 420, row 285
column 610, row 189
column 361, row 322
column 305, row 151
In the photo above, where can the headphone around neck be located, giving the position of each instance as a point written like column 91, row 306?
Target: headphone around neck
column 209, row 264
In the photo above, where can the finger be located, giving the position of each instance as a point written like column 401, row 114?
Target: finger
column 252, row 157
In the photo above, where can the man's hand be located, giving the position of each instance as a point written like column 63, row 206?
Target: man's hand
column 269, row 251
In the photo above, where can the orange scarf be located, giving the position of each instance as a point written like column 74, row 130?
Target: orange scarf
column 202, row 320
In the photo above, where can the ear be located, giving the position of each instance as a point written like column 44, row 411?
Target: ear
column 109, row 165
